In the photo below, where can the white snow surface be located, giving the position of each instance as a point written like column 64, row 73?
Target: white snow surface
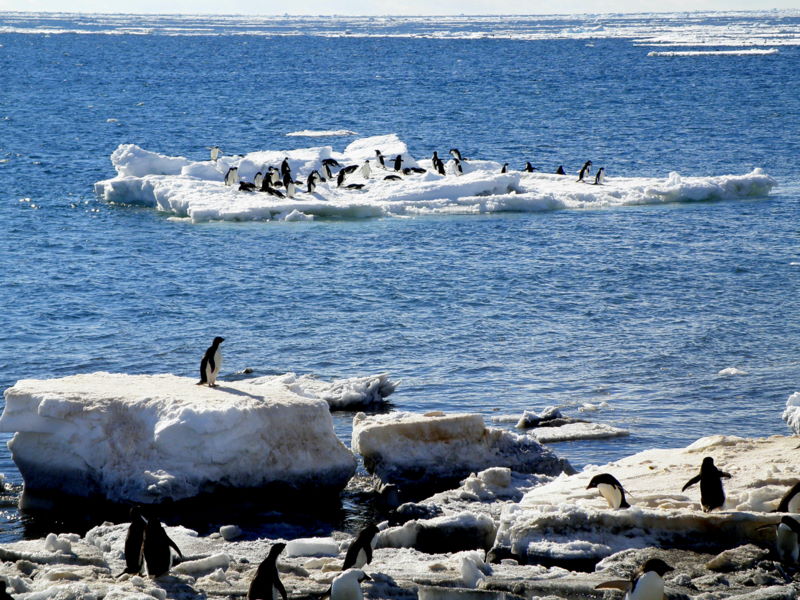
column 792, row 412
column 562, row 519
column 340, row 394
column 320, row 133
column 403, row 446
column 195, row 190
column 740, row 52
column 148, row 438
column 576, row 431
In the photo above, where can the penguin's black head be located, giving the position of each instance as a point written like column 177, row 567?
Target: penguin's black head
column 657, row 566
column 708, row 462
column 218, row 340
column 277, row 549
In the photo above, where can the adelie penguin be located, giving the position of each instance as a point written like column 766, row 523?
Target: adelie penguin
column 313, row 178
column 646, row 583
column 366, row 170
column 380, row 158
column 157, row 545
column 258, row 180
column 598, row 179
column 289, row 184
column 505, row 168
column 454, row 152
column 214, row 153
column 393, row 178
column 134, row 543
column 437, row 163
column 457, row 167
column 787, row 537
column 398, row 162
column 232, row 176
column 610, row 489
column 246, row 186
column 529, row 168
column 4, row 595
column 285, row 168
column 211, row 363
column 712, row 495
column 584, row 170
column 560, row 170
column 266, row 585
column 410, row 170
column 360, row 551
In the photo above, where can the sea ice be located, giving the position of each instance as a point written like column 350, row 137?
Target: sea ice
column 194, row 189
column 792, row 412
column 411, row 448
column 576, row 431
column 340, row 394
column 149, row 438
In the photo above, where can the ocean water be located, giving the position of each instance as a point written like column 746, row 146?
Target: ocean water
column 639, row 307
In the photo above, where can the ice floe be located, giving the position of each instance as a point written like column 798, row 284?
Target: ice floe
column 340, row 394
column 739, row 52
column 149, row 438
column 195, row 189
column 577, row 431
column 792, row 412
column 320, row 133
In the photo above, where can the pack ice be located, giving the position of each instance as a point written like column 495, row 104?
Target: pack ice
column 195, row 190
column 148, row 438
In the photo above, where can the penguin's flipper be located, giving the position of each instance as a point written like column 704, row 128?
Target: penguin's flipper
column 278, row 585
column 691, row 482
column 622, row 585
column 724, row 474
column 174, row 546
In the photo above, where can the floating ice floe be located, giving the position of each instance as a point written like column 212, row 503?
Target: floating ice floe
column 149, row 438
column 792, row 412
column 320, row 133
column 739, row 52
column 577, row 431
column 340, row 394
column 408, row 448
column 562, row 521
column 195, row 189
column 731, row 371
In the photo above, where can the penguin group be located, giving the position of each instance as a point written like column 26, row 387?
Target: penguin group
column 147, row 545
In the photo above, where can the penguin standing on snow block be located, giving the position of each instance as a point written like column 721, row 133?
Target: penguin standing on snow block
column 266, row 585
column 610, row 489
column 134, row 541
column 398, row 162
column 598, row 179
column 360, row 551
column 584, row 170
column 712, row 495
column 211, row 363
column 157, row 544
column 646, row 583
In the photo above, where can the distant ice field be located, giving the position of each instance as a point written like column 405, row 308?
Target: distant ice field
column 675, row 319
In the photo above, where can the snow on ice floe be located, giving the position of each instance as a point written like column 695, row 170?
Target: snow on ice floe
column 740, row 52
column 565, row 521
column 409, row 448
column 149, row 438
column 577, row 431
column 792, row 412
column 340, row 394
column 195, row 189
column 320, row 133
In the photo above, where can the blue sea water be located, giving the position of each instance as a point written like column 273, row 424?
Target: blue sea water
column 639, row 307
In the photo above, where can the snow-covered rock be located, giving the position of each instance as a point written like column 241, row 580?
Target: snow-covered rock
column 792, row 412
column 562, row 521
column 411, row 448
column 148, row 438
column 195, row 189
column 340, row 394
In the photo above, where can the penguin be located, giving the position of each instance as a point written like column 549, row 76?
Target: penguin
column 312, row 181
column 457, row 168
column 379, row 157
column 258, row 180
column 392, row 177
column 560, row 170
column 211, row 363
column 360, row 551
column 791, row 500
column 712, row 495
column 214, row 153
column 438, row 164
column 529, row 168
column 331, row 162
column 366, row 170
column 273, row 192
column 646, row 583
column 266, row 584
column 398, row 162
column 584, row 170
column 408, row 170
column 289, row 184
column 340, row 178
column 134, row 541
column 505, row 168
column 327, row 169
column 347, row 585
column 232, row 176
column 285, row 168
column 156, row 548
column 610, row 489
column 456, row 154
column 4, row 595
column 354, row 186
column 272, row 176
column 598, row 179
column 246, row 186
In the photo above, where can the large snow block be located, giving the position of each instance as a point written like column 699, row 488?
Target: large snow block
column 149, row 438
column 409, row 448
column 792, row 413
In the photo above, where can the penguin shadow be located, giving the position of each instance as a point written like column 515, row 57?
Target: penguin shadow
column 235, row 392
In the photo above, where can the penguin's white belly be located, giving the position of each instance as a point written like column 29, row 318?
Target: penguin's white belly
column 211, row 374
column 649, row 586
column 361, row 559
column 794, row 504
column 612, row 495
column 347, row 589
column 786, row 543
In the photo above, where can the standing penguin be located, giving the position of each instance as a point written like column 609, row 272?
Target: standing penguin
column 646, row 583
column 712, row 495
column 529, row 168
column 366, row 170
column 289, row 184
column 4, row 595
column 379, row 157
column 791, row 500
column 560, row 170
column 505, row 168
column 232, row 176
column 313, row 178
column 610, row 489
column 134, row 541
column 214, row 153
column 157, row 544
column 347, row 585
column 584, row 170
column 258, row 180
column 598, row 179
column 457, row 167
column 211, row 363
column 266, row 585
column 398, row 162
column 360, row 551
column 285, row 168
column 272, row 176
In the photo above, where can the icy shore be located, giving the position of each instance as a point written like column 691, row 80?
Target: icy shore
column 148, row 438
column 195, row 190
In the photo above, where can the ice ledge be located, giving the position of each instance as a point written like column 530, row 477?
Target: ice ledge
column 150, row 438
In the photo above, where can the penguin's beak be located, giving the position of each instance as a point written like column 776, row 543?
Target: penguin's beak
column 365, row 578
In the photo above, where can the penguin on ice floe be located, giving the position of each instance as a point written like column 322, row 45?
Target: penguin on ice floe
column 398, row 162
column 505, row 168
column 598, row 179
column 712, row 494
column 610, row 489
column 285, row 168
column 457, row 167
column 232, row 176
column 646, row 583
column 560, row 170
column 134, row 541
column 289, row 184
column 584, row 170
column 214, row 152
column 211, row 363
column 454, row 152
column 379, row 157
column 360, row 551
column 366, row 170
column 313, row 179
column 529, row 168
column 266, row 585
column 258, row 180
